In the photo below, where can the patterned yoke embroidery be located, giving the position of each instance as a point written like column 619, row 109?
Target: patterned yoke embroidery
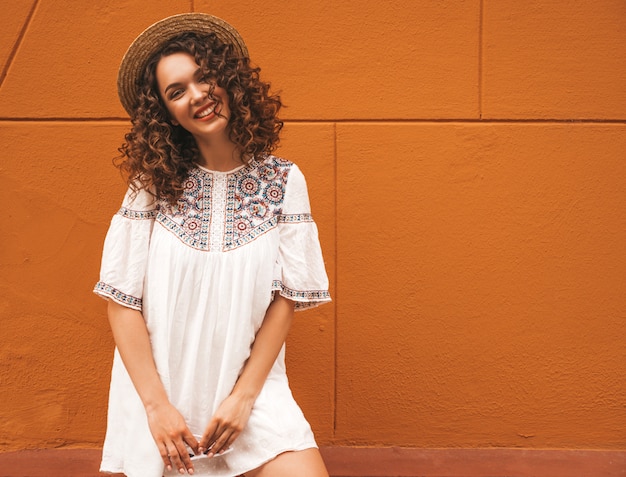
column 190, row 219
column 253, row 199
column 106, row 290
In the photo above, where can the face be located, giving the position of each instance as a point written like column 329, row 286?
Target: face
column 186, row 95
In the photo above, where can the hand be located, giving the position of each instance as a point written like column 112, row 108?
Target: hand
column 170, row 432
column 226, row 424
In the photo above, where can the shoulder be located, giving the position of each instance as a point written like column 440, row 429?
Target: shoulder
column 276, row 167
column 139, row 198
column 274, row 163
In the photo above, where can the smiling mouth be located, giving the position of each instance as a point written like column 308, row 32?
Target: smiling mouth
column 206, row 112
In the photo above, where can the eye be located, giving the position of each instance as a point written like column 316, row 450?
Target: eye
column 174, row 94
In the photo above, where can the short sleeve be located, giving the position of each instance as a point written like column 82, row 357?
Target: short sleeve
column 299, row 274
column 125, row 252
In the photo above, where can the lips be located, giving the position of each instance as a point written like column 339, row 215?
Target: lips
column 206, row 112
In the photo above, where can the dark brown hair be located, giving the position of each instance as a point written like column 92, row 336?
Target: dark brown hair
column 157, row 155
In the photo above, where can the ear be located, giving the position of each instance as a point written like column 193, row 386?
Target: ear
column 174, row 122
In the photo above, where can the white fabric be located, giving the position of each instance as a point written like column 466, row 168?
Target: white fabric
column 203, row 284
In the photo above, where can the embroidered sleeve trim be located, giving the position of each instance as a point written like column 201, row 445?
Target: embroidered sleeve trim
column 303, row 298
column 107, row 291
column 137, row 214
column 294, row 218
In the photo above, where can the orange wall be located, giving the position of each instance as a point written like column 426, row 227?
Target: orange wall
column 466, row 162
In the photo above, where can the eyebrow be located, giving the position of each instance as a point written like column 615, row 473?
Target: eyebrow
column 196, row 74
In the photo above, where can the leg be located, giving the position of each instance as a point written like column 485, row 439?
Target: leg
column 306, row 463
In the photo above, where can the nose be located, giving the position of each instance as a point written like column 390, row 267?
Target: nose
column 197, row 93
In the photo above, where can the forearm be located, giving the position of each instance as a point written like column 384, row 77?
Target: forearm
column 133, row 342
column 267, row 344
column 233, row 413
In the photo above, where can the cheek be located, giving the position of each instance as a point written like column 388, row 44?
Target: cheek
column 226, row 106
column 223, row 97
column 174, row 115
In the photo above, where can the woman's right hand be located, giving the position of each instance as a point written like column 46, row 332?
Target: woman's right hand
column 167, row 425
column 170, row 432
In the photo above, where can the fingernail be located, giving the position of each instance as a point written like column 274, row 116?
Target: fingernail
column 190, row 471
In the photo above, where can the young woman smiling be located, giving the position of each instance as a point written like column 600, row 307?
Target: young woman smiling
column 212, row 251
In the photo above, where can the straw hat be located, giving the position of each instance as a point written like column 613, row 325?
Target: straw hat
column 156, row 36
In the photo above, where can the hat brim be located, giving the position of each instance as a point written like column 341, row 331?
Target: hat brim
column 156, row 36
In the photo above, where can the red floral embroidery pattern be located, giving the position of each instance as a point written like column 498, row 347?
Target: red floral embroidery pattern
column 254, row 199
column 260, row 209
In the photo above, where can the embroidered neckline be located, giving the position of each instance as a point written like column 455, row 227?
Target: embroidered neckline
column 221, row 211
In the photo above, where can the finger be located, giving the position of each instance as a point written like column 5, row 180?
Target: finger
column 220, row 444
column 165, row 456
column 208, row 434
column 175, row 458
column 184, row 456
column 229, row 443
column 191, row 441
column 213, row 431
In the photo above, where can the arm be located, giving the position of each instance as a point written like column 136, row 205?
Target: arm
column 232, row 415
column 167, row 425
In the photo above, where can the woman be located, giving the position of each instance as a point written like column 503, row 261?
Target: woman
column 203, row 266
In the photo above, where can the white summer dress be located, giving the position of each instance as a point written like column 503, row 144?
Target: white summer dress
column 203, row 273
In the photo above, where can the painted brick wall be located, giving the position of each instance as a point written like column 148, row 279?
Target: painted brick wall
column 466, row 166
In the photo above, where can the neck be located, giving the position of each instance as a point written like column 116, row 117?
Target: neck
column 219, row 155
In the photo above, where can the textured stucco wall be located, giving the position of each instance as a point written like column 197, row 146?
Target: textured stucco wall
column 467, row 173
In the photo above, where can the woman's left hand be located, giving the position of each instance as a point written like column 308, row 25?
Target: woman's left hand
column 233, row 414
column 226, row 424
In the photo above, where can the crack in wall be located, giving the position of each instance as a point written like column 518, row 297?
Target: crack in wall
column 18, row 42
